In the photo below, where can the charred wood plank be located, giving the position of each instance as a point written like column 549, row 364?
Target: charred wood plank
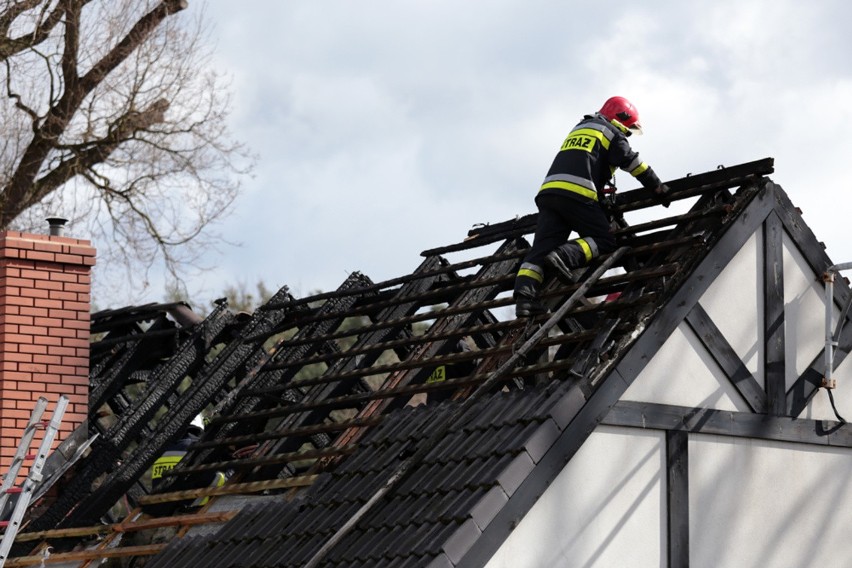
column 257, row 376
column 689, row 186
column 350, row 362
column 107, row 450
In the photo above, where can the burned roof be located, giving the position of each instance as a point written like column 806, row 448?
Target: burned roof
column 395, row 421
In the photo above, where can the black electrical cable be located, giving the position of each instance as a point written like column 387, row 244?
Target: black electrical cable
column 833, row 407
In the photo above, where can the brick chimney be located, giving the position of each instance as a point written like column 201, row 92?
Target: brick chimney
column 44, row 332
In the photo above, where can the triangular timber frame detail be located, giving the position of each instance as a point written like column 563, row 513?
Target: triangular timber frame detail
column 774, row 410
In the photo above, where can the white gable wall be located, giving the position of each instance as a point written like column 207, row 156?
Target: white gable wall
column 683, row 373
column 606, row 508
column 804, row 312
column 768, row 504
column 752, row 504
column 734, row 301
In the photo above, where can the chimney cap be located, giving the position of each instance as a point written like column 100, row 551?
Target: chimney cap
column 57, row 225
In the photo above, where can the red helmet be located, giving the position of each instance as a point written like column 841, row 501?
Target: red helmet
column 622, row 111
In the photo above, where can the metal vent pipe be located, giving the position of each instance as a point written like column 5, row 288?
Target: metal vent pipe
column 57, row 226
column 832, row 336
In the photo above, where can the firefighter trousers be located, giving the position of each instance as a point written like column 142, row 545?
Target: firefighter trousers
column 558, row 217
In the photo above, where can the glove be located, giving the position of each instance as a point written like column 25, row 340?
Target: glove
column 662, row 194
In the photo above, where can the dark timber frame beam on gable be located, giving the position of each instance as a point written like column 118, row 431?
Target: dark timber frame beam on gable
column 728, row 423
column 727, row 359
column 677, row 491
column 773, row 316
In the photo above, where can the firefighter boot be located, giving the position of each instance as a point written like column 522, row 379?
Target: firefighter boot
column 528, row 307
column 570, row 256
column 527, row 281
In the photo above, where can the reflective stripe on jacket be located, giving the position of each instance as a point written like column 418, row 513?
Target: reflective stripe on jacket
column 164, row 463
column 589, row 156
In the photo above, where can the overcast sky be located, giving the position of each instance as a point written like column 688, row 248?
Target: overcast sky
column 384, row 128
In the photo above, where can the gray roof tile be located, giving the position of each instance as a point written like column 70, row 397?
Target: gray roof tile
column 516, row 472
column 541, row 440
column 488, row 507
column 461, row 541
column 441, row 561
column 566, row 408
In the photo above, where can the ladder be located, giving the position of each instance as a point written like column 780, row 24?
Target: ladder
column 25, row 491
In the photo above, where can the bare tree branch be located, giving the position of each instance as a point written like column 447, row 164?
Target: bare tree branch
column 112, row 116
column 84, row 157
column 45, row 23
column 131, row 41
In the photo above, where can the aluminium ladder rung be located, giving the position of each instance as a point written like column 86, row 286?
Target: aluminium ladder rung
column 20, row 453
column 34, row 476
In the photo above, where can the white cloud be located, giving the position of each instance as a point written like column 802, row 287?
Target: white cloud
column 386, row 128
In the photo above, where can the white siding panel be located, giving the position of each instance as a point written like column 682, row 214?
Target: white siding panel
column 768, row 504
column 734, row 302
column 605, row 509
column 804, row 312
column 684, row 374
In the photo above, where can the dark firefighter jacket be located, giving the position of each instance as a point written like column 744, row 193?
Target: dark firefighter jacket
column 172, row 454
column 589, row 157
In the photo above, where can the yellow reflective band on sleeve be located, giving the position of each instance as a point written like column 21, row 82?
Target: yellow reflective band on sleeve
column 567, row 185
column 163, row 465
column 639, row 170
column 438, row 375
column 584, row 139
column 587, row 250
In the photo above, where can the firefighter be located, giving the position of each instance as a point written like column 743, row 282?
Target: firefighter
column 455, row 370
column 569, row 198
column 173, row 453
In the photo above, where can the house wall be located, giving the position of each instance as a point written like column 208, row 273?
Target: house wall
column 683, row 372
column 606, row 508
column 735, row 303
column 752, row 503
column 768, row 504
column 44, row 332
